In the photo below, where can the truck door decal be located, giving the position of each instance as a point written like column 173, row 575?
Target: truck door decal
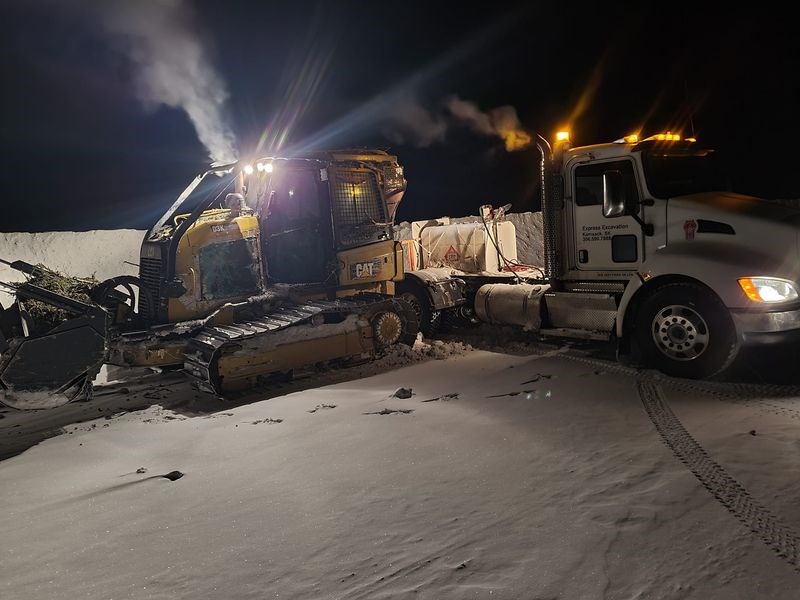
column 603, row 244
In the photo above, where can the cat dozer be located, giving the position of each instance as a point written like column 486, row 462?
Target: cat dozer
column 257, row 270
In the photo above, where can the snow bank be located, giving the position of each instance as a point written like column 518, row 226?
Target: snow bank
column 101, row 253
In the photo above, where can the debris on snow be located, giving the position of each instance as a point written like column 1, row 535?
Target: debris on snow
column 443, row 397
column 391, row 411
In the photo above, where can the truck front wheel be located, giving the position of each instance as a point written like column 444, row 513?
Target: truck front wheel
column 683, row 330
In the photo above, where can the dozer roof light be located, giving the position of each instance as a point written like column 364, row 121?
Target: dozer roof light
column 248, row 169
column 562, row 136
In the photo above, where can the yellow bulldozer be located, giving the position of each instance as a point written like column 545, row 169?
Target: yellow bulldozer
column 256, row 269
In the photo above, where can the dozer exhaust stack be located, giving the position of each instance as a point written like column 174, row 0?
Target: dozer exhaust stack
column 45, row 367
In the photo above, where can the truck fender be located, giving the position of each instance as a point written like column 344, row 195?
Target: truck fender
column 443, row 290
column 633, row 286
column 634, row 290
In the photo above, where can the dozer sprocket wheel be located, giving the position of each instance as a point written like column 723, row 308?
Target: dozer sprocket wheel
column 256, row 348
column 394, row 322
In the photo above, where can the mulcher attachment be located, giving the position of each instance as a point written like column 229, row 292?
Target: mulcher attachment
column 47, row 368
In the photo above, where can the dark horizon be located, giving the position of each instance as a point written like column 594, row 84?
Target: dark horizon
column 82, row 152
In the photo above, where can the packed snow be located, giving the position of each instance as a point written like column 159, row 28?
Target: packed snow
column 482, row 465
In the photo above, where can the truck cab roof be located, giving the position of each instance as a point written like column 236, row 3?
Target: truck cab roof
column 623, row 147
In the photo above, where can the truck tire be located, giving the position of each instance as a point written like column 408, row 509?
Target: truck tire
column 684, row 330
column 417, row 297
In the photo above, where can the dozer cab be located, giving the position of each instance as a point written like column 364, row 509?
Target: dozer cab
column 256, row 269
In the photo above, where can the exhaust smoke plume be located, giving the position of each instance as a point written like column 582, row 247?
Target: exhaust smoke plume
column 413, row 123
column 172, row 66
column 502, row 122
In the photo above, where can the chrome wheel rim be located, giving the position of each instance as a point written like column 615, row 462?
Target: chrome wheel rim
column 680, row 332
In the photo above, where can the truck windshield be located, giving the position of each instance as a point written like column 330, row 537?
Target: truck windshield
column 674, row 172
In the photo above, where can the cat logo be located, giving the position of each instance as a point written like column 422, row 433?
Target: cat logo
column 365, row 270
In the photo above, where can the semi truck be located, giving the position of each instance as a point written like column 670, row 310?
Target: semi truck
column 643, row 245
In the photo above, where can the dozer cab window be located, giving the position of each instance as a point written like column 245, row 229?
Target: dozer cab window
column 228, row 269
column 359, row 212
column 296, row 244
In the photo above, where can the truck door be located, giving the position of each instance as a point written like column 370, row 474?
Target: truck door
column 600, row 243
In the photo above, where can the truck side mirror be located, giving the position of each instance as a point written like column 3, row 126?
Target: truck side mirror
column 613, row 194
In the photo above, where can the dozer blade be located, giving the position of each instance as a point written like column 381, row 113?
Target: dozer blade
column 58, row 366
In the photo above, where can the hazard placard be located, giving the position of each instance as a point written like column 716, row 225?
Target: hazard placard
column 452, row 255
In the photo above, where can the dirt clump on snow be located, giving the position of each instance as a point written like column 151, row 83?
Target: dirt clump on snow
column 423, row 349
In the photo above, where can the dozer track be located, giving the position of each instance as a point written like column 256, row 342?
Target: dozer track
column 223, row 358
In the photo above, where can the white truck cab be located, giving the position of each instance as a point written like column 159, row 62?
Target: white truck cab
column 643, row 243
column 701, row 271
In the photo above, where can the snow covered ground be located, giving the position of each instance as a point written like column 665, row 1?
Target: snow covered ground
column 531, row 472
column 511, row 470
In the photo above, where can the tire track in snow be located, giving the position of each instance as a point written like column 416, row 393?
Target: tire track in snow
column 729, row 492
column 764, row 397
column 774, row 533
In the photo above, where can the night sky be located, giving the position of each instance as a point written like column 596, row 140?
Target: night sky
column 81, row 150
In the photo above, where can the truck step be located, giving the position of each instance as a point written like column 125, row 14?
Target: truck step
column 581, row 334
column 580, row 310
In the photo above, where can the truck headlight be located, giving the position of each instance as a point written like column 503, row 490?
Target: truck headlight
column 768, row 289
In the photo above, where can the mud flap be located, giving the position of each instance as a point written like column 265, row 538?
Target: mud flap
column 55, row 368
